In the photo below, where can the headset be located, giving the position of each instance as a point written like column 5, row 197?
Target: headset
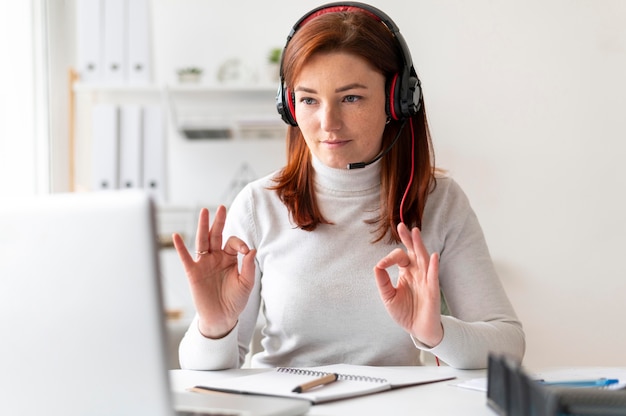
column 404, row 92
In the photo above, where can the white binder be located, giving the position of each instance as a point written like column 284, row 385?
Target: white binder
column 154, row 152
column 89, row 57
column 104, row 147
column 114, row 33
column 130, row 146
column 138, row 65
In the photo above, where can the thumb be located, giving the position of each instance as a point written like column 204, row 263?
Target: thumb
column 248, row 267
column 385, row 287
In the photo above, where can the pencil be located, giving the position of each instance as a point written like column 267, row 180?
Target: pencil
column 327, row 379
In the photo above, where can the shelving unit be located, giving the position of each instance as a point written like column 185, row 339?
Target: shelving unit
column 194, row 112
column 224, row 111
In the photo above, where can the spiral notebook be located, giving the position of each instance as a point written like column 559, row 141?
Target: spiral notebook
column 352, row 381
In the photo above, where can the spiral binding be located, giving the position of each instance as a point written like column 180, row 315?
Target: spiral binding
column 315, row 373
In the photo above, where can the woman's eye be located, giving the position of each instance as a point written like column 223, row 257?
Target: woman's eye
column 307, row 100
column 352, row 98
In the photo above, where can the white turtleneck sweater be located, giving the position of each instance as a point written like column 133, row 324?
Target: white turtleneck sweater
column 318, row 291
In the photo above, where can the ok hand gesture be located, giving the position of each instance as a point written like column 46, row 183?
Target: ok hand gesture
column 414, row 303
column 219, row 291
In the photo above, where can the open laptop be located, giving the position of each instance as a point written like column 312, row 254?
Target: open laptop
column 82, row 323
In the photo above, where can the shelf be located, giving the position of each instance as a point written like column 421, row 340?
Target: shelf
column 80, row 87
column 222, row 88
column 199, row 111
column 155, row 88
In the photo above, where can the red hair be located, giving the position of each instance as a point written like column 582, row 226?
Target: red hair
column 358, row 33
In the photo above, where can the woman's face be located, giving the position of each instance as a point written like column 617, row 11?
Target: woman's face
column 340, row 108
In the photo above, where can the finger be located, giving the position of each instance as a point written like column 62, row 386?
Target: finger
column 433, row 268
column 248, row 268
column 383, row 282
column 416, row 239
column 215, row 236
column 202, row 233
column 397, row 257
column 406, row 237
column 421, row 254
column 432, row 283
column 235, row 245
column 182, row 251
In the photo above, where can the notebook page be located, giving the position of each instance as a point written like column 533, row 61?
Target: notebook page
column 275, row 383
column 395, row 376
column 354, row 380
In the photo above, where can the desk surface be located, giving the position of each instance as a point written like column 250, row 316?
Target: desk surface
column 441, row 399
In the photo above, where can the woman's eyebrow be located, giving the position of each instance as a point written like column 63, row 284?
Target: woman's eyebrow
column 305, row 89
column 353, row 86
column 348, row 87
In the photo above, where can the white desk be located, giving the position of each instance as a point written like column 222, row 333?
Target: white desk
column 437, row 399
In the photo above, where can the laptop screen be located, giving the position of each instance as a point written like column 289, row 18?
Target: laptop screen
column 82, row 328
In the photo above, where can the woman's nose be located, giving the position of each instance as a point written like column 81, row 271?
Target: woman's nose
column 331, row 118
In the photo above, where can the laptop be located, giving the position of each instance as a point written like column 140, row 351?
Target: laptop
column 82, row 328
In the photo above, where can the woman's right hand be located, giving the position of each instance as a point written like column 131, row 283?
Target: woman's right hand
column 219, row 291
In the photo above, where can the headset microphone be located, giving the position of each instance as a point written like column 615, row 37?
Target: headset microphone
column 360, row 165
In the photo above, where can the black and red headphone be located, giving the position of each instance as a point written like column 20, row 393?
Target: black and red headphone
column 404, row 92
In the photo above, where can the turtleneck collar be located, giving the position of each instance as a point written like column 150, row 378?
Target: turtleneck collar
column 346, row 180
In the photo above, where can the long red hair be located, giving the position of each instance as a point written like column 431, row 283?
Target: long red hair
column 358, row 33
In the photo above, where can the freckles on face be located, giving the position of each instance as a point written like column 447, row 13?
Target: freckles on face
column 340, row 108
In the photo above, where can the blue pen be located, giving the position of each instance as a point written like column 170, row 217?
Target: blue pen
column 600, row 382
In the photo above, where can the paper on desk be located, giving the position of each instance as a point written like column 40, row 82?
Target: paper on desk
column 479, row 384
column 570, row 374
column 353, row 381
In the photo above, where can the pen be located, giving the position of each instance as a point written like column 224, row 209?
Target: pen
column 600, row 382
column 327, row 379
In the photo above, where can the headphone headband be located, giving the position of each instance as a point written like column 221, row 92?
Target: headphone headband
column 404, row 95
column 347, row 6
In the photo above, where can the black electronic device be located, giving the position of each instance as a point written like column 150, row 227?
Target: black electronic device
column 511, row 391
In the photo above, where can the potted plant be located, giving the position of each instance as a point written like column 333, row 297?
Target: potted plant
column 191, row 74
column 273, row 64
column 274, row 55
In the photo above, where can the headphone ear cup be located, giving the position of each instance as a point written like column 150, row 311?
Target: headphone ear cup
column 394, row 101
column 404, row 96
column 415, row 92
column 285, row 104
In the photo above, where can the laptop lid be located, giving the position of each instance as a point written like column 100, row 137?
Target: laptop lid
column 81, row 313
column 82, row 322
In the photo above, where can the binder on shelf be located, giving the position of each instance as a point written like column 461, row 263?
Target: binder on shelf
column 154, row 152
column 114, row 35
column 130, row 146
column 89, row 40
column 138, row 65
column 105, row 147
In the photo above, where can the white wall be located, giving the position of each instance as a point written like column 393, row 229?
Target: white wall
column 18, row 174
column 525, row 101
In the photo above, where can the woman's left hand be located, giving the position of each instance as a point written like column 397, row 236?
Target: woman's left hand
column 414, row 303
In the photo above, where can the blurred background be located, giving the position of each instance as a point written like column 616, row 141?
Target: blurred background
column 525, row 100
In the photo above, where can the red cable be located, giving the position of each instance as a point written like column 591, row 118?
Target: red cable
column 412, row 171
column 409, row 187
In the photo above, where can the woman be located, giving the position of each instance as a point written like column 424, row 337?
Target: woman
column 338, row 259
